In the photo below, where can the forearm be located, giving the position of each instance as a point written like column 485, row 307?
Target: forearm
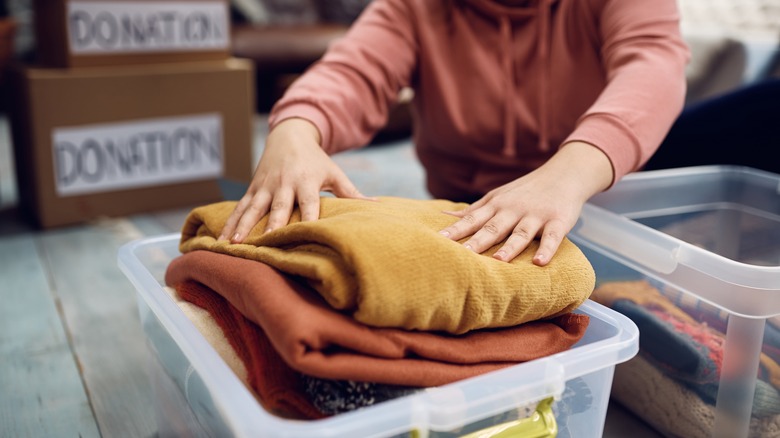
column 348, row 94
column 644, row 58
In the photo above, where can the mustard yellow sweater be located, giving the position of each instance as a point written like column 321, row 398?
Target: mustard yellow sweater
column 385, row 263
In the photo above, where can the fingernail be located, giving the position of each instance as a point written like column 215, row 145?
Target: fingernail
column 444, row 233
column 500, row 255
column 469, row 247
column 540, row 258
column 236, row 237
column 267, row 230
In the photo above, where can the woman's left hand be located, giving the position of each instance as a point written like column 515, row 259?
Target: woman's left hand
column 544, row 203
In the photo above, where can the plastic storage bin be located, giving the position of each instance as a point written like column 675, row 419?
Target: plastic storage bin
column 710, row 234
column 197, row 394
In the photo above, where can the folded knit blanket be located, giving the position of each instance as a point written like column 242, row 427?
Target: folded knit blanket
column 687, row 311
column 314, row 339
column 386, row 265
column 669, row 406
column 690, row 353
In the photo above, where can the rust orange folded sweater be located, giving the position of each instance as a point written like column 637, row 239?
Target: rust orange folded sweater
column 276, row 384
column 314, row 339
column 386, row 265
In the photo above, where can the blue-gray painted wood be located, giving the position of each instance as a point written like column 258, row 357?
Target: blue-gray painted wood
column 41, row 391
column 100, row 310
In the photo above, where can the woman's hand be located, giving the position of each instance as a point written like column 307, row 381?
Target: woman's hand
column 544, row 203
column 293, row 169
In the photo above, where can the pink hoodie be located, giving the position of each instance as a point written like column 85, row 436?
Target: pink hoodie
column 501, row 85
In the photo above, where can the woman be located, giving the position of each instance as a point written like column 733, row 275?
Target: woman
column 525, row 108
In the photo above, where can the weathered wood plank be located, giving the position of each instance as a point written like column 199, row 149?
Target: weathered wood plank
column 42, row 391
column 100, row 312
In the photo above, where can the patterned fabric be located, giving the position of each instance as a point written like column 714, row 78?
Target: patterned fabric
column 337, row 396
column 671, row 407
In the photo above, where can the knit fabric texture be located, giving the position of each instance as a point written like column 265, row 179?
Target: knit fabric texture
column 274, row 383
column 669, row 406
column 385, row 264
column 314, row 339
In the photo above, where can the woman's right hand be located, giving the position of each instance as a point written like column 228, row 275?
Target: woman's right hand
column 293, row 169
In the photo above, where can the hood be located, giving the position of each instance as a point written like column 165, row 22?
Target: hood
column 506, row 13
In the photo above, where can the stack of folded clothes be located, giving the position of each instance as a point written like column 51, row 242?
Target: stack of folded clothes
column 673, row 382
column 370, row 303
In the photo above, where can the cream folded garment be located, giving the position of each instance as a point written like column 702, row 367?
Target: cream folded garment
column 670, row 407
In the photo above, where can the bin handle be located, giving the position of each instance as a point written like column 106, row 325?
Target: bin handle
column 540, row 424
column 620, row 236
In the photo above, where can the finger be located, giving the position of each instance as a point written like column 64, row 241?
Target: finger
column 309, row 205
column 229, row 229
column 468, row 224
column 552, row 236
column 494, row 231
column 256, row 208
column 230, row 225
column 281, row 209
column 523, row 233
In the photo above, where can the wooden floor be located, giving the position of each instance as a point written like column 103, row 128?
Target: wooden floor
column 73, row 359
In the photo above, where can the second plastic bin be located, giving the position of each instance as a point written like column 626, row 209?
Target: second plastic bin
column 711, row 235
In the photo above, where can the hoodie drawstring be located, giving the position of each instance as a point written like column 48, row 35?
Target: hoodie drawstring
column 505, row 16
column 544, row 70
column 509, row 80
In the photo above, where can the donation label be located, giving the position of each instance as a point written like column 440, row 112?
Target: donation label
column 108, row 27
column 117, row 156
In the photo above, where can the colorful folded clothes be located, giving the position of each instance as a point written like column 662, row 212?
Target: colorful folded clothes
column 684, row 351
column 671, row 407
column 385, row 264
column 690, row 312
column 314, row 339
column 718, row 320
column 691, row 353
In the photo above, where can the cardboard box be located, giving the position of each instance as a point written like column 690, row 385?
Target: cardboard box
column 78, row 33
column 116, row 141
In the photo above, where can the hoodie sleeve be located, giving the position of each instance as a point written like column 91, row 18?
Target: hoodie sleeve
column 349, row 92
column 644, row 57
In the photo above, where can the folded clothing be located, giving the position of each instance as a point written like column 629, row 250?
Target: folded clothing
column 691, row 353
column 685, row 349
column 276, row 385
column 314, row 339
column 333, row 397
column 688, row 311
column 669, row 406
column 385, row 264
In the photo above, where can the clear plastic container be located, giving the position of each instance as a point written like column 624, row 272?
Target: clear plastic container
column 711, row 233
column 198, row 394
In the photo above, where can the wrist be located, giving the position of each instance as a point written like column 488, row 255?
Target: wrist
column 297, row 128
column 588, row 166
